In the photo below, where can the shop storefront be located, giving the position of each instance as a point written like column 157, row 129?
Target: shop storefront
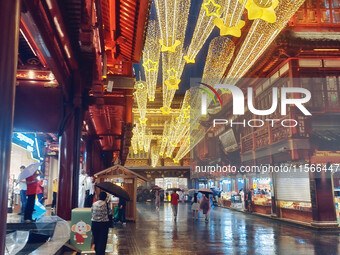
column 225, row 199
column 262, row 194
column 28, row 148
column 25, row 151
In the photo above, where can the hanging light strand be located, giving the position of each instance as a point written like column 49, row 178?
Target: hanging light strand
column 210, row 11
column 259, row 37
column 151, row 56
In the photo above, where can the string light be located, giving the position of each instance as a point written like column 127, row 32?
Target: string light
column 183, row 150
column 210, row 10
column 172, row 19
column 147, row 141
column 164, row 141
column 151, row 55
column 154, row 156
column 141, row 95
column 259, row 37
column 231, row 23
column 172, row 65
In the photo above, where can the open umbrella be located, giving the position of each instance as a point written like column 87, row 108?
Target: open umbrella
column 114, row 190
column 191, row 192
column 206, row 191
column 156, row 188
column 174, row 189
column 28, row 171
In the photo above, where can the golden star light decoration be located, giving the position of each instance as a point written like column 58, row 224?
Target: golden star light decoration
column 173, row 65
column 151, row 57
column 231, row 23
column 172, row 19
column 262, row 9
column 210, row 10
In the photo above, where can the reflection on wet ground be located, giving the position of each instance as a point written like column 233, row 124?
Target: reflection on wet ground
column 227, row 232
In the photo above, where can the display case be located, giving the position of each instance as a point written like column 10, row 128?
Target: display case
column 225, row 200
column 262, row 204
column 264, row 200
column 299, row 211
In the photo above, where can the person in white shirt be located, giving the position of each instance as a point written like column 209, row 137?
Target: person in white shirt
column 81, row 194
column 89, row 190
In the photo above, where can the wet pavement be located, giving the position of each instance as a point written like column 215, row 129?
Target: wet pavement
column 227, row 232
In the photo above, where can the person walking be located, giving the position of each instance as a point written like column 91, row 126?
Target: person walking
column 32, row 186
column 100, row 224
column 194, row 206
column 23, row 189
column 122, row 206
column 174, row 204
column 249, row 199
column 157, row 200
column 205, row 205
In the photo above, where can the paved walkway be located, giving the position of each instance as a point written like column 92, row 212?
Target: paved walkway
column 227, row 232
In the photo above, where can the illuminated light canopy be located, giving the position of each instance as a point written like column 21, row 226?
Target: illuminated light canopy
column 259, row 37
column 151, row 55
column 262, row 9
column 172, row 18
column 231, row 23
column 210, row 10
column 141, row 96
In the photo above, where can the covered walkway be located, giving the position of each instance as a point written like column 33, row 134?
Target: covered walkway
column 228, row 232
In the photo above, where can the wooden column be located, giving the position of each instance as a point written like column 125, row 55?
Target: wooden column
column 323, row 207
column 9, row 34
column 69, row 161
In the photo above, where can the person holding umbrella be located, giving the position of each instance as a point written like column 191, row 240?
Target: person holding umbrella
column 205, row 202
column 100, row 224
column 174, row 203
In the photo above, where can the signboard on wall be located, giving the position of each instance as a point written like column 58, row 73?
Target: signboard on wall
column 228, row 141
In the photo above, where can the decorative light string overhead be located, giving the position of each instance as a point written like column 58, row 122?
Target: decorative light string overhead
column 172, row 19
column 210, row 11
column 231, row 23
column 151, row 57
column 259, row 37
column 141, row 95
column 154, row 156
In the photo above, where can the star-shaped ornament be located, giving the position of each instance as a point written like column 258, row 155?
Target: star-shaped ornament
column 212, row 8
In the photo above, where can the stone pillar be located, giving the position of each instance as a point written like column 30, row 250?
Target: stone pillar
column 323, row 207
column 69, row 163
column 9, row 34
